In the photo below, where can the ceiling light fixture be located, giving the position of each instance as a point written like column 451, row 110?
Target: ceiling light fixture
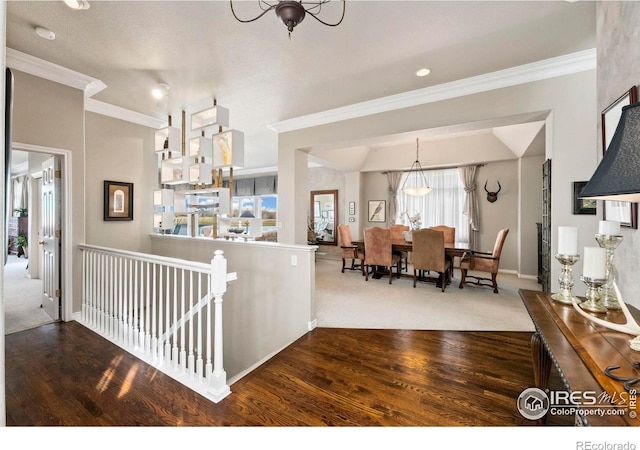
column 160, row 90
column 291, row 13
column 417, row 181
column 423, row 72
column 77, row 4
column 45, row 33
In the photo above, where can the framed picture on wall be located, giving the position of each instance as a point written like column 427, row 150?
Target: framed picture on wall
column 582, row 205
column 624, row 212
column 118, row 201
column 377, row 211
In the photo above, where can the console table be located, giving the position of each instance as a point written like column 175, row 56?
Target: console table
column 580, row 350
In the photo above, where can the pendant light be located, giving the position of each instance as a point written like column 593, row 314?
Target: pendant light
column 418, row 184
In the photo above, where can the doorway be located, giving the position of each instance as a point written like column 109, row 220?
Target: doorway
column 24, row 271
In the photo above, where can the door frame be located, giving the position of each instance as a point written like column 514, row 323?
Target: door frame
column 66, row 258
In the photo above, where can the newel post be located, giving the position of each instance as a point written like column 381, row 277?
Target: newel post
column 218, row 387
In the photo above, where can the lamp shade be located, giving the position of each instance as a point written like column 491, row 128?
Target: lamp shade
column 617, row 177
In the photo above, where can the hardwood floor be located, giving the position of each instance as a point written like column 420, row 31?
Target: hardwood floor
column 64, row 374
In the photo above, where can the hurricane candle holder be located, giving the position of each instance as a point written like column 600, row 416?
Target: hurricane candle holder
column 608, row 296
column 592, row 302
column 564, row 295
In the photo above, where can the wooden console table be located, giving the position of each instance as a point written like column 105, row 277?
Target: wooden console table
column 581, row 350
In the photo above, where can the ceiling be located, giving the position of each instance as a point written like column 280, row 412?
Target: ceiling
column 264, row 76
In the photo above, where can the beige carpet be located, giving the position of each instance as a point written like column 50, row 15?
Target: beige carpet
column 348, row 301
column 23, row 297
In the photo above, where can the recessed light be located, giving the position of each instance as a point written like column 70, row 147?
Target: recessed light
column 77, row 4
column 160, row 90
column 45, row 33
column 423, row 72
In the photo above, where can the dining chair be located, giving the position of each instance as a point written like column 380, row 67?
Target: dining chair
column 483, row 262
column 349, row 249
column 449, row 233
column 397, row 233
column 449, row 238
column 429, row 255
column 377, row 253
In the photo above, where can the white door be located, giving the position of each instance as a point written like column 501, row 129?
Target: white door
column 50, row 237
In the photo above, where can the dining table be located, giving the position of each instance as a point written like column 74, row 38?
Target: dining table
column 451, row 249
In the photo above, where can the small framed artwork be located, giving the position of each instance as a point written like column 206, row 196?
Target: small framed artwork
column 582, row 205
column 118, row 201
column 377, row 210
column 624, row 212
column 352, row 208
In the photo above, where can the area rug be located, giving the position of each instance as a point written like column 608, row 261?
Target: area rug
column 346, row 300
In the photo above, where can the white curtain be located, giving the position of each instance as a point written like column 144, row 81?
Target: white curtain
column 468, row 177
column 442, row 206
column 394, row 179
column 19, row 193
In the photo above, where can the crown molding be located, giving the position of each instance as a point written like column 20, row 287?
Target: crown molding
column 53, row 72
column 541, row 70
column 90, row 86
column 107, row 109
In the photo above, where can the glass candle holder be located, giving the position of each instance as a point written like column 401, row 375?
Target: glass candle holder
column 607, row 293
column 592, row 302
column 564, row 295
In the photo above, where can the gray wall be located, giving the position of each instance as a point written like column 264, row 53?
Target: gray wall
column 51, row 115
column 120, row 151
column 268, row 307
column 570, row 140
column 618, row 71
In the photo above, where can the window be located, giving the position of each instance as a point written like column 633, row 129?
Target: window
column 265, row 205
column 442, row 206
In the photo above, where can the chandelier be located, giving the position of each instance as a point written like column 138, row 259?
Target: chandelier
column 418, row 184
column 291, row 13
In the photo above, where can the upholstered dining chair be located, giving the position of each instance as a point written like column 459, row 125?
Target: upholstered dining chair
column 429, row 255
column 449, row 233
column 397, row 233
column 377, row 252
column 349, row 249
column 483, row 262
column 449, row 238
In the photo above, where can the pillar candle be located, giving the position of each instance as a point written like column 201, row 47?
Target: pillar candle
column 609, row 228
column 567, row 240
column 595, row 260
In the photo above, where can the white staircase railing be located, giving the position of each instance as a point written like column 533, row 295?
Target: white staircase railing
column 159, row 309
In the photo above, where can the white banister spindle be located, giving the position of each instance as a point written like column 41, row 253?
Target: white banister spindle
column 160, row 303
column 199, row 363
column 135, row 301
column 208, row 367
column 109, row 269
column 167, row 339
column 183, row 350
column 154, row 313
column 191, row 358
column 174, row 328
column 163, row 310
column 121, row 304
column 101, row 296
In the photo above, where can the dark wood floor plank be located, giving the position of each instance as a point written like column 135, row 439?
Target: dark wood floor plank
column 64, row 374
